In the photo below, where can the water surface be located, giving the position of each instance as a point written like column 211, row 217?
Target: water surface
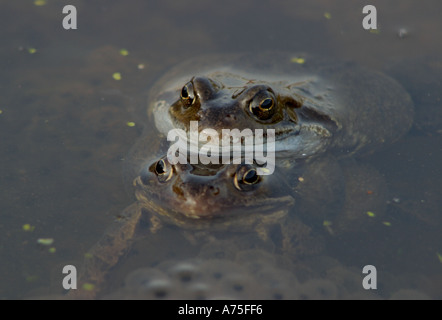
column 64, row 132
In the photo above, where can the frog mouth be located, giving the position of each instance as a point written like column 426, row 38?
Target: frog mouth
column 198, row 215
column 249, row 140
column 241, row 218
column 280, row 131
column 295, row 142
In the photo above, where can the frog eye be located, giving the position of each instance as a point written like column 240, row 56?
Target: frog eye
column 245, row 177
column 266, row 104
column 163, row 170
column 262, row 108
column 188, row 95
column 250, row 177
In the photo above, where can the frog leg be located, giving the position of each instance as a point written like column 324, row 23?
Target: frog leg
column 106, row 253
column 262, row 227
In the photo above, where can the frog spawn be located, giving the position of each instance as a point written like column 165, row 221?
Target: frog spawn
column 220, row 273
column 222, row 270
column 252, row 274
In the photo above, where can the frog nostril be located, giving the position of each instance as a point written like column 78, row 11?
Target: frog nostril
column 213, row 190
column 230, row 117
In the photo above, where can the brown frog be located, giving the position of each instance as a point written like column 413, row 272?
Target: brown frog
column 314, row 104
column 212, row 203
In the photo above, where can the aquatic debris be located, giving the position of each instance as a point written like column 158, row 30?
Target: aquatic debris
column 124, row 52
column 327, row 15
column 326, row 223
column 88, row 286
column 297, row 60
column 371, row 214
column 116, row 76
column 40, row 3
column 88, row 255
column 45, row 241
column 28, row 227
column 130, row 124
column 386, row 223
column 32, row 50
column 439, row 256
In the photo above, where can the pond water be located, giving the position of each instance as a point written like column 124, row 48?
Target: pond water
column 73, row 103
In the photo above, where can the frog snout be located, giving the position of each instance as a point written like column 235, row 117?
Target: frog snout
column 212, row 190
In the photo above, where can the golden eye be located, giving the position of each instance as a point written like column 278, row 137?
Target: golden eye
column 262, row 108
column 245, row 177
column 250, row 177
column 188, row 95
column 266, row 104
column 163, row 169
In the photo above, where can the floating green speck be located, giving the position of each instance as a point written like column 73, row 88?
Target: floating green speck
column 88, row 286
column 130, row 124
column 32, row 50
column 386, row 223
column 116, row 76
column 327, row 15
column 1, row 111
column 371, row 214
column 31, row 278
column 439, row 256
column 375, row 31
column 88, row 255
column 28, row 227
column 297, row 60
column 45, row 241
column 124, row 52
column 52, row 250
column 40, row 3
column 327, row 223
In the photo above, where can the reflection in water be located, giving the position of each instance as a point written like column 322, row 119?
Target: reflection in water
column 64, row 136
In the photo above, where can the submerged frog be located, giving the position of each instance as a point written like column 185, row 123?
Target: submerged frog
column 217, row 203
column 314, row 108
column 203, row 201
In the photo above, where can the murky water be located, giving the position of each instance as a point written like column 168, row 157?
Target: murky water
column 64, row 135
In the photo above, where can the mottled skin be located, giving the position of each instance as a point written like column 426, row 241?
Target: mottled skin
column 321, row 111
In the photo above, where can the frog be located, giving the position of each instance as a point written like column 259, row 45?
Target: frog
column 207, row 204
column 219, row 203
column 321, row 112
column 315, row 105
